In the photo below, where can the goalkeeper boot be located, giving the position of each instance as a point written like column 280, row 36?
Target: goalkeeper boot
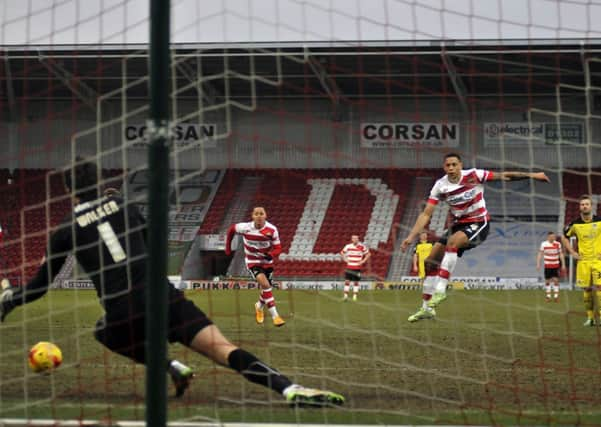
column 436, row 299
column 278, row 321
column 6, row 299
column 181, row 375
column 422, row 314
column 302, row 396
column 259, row 316
column 589, row 322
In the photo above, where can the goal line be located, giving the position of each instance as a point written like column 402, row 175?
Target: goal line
column 17, row 422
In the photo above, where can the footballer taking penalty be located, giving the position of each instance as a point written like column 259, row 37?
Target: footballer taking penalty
column 111, row 247
column 463, row 191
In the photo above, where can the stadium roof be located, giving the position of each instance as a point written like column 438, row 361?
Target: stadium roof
column 305, row 70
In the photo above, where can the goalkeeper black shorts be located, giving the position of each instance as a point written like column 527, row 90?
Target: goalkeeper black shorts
column 123, row 327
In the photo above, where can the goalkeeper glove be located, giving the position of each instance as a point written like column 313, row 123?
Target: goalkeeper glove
column 6, row 299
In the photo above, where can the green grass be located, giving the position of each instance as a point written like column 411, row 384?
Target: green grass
column 491, row 357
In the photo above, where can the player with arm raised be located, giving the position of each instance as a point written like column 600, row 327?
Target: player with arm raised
column 261, row 241
column 463, row 191
column 111, row 247
column 587, row 230
column 551, row 255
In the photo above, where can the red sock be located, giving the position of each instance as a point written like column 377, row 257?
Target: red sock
column 267, row 297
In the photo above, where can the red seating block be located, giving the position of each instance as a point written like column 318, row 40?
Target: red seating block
column 284, row 195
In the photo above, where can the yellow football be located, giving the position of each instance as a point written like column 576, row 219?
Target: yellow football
column 44, row 356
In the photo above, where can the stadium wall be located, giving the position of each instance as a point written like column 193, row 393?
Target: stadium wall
column 405, row 283
column 299, row 134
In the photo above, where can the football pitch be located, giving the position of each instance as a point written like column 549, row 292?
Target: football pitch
column 491, row 357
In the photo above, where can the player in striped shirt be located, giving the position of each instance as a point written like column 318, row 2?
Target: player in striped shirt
column 463, row 191
column 355, row 254
column 261, row 244
column 551, row 253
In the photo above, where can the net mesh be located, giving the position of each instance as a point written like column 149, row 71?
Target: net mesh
column 335, row 119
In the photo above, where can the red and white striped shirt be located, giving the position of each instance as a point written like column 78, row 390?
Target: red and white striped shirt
column 465, row 198
column 260, row 245
column 354, row 255
column 551, row 252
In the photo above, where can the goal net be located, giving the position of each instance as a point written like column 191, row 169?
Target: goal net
column 335, row 118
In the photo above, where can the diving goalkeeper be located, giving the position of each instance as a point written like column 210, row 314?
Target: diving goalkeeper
column 107, row 234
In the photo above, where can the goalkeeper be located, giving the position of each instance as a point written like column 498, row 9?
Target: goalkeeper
column 108, row 237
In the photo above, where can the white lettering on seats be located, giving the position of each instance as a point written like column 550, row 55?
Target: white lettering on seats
column 307, row 231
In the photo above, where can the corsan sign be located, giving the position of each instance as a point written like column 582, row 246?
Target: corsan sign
column 403, row 134
column 183, row 134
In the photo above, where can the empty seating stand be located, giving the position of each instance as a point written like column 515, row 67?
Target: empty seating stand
column 317, row 211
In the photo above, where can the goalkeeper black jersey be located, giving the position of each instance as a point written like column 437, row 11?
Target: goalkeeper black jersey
column 108, row 238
